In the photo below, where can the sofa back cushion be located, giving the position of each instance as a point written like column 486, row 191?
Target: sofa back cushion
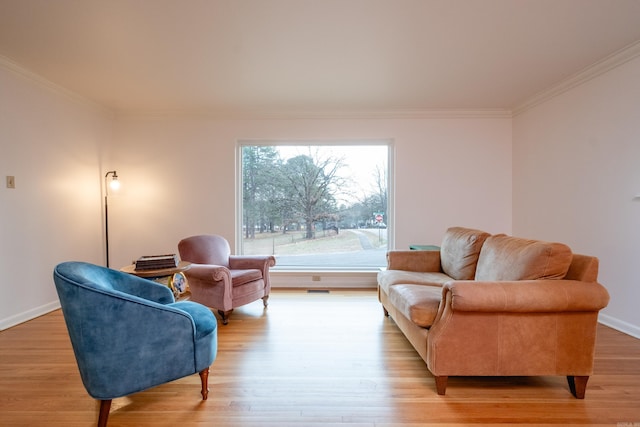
column 513, row 258
column 583, row 268
column 460, row 250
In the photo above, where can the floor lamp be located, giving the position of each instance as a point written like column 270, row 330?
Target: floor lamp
column 114, row 184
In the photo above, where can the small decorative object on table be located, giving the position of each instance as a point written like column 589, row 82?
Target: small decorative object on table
column 178, row 284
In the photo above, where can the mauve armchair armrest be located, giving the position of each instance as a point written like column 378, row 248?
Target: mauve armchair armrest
column 419, row 261
column 247, row 262
column 142, row 288
column 208, row 272
column 526, row 296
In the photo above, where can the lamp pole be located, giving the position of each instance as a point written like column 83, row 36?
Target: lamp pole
column 114, row 184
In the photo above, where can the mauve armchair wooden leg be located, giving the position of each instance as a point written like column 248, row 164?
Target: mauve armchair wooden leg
column 578, row 385
column 204, row 379
column 265, row 300
column 225, row 315
column 441, row 384
column 105, row 406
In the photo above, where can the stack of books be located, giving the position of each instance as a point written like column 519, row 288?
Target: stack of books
column 157, row 262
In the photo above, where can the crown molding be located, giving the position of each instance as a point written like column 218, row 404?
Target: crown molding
column 320, row 115
column 20, row 71
column 608, row 63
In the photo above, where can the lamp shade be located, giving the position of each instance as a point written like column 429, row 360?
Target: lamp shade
column 114, row 184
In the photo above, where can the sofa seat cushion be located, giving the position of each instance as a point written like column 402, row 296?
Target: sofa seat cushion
column 460, row 251
column 388, row 278
column 418, row 303
column 513, row 258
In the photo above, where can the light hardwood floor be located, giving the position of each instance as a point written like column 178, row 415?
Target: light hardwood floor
column 312, row 359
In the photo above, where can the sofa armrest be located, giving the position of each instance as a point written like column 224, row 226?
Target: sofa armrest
column 524, row 328
column 526, row 296
column 419, row 261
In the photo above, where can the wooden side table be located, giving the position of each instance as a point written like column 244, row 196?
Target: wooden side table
column 165, row 276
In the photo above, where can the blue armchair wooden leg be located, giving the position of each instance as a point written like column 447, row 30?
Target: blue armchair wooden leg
column 204, row 379
column 105, row 406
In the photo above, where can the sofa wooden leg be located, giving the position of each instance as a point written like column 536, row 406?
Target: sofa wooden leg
column 265, row 300
column 225, row 315
column 105, row 406
column 204, row 379
column 441, row 384
column 386, row 312
column 578, row 385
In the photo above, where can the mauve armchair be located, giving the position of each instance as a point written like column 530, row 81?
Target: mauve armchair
column 223, row 281
column 128, row 334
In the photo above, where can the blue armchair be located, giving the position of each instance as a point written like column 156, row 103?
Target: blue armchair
column 128, row 333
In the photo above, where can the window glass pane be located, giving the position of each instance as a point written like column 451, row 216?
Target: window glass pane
column 320, row 206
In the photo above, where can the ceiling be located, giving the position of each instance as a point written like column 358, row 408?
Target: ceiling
column 311, row 55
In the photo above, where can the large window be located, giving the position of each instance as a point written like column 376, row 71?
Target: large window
column 316, row 205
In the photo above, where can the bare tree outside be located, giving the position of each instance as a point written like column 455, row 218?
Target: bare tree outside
column 312, row 187
column 315, row 204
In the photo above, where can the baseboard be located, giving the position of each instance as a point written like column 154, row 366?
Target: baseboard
column 28, row 315
column 620, row 325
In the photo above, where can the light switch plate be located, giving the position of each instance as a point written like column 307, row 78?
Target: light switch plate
column 11, row 181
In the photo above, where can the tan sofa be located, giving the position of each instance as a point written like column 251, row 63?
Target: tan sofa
column 496, row 305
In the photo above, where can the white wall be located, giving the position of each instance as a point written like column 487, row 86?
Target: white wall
column 576, row 171
column 178, row 175
column 572, row 169
column 51, row 144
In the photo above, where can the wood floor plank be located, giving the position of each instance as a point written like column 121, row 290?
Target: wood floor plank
column 312, row 359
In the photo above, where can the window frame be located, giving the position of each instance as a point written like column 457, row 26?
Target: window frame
column 239, row 185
